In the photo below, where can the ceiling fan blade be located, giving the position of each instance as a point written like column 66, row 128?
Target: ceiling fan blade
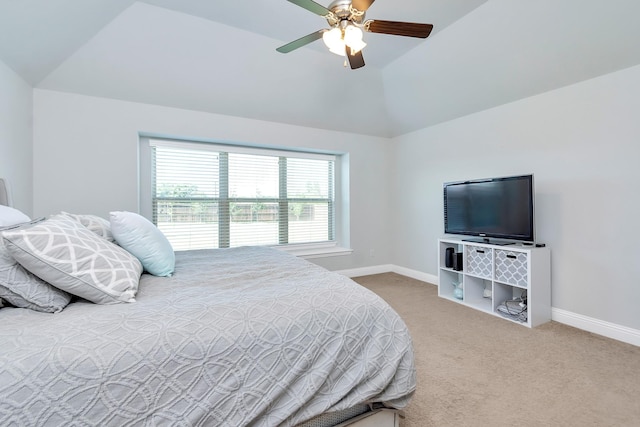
column 301, row 42
column 356, row 60
column 362, row 5
column 407, row 29
column 312, row 6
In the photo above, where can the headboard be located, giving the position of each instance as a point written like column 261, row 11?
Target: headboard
column 5, row 193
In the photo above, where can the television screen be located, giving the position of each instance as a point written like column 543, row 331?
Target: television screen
column 495, row 207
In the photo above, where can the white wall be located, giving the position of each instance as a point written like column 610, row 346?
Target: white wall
column 16, row 147
column 86, row 160
column 582, row 143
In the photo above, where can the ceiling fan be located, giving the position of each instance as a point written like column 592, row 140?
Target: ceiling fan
column 346, row 19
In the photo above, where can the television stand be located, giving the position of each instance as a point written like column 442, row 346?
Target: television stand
column 495, row 278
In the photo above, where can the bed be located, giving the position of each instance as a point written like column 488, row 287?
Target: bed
column 248, row 336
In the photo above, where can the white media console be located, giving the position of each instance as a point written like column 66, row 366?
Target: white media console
column 492, row 274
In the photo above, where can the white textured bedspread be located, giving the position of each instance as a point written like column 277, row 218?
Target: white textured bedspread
column 242, row 336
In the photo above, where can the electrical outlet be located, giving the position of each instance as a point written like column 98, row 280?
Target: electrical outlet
column 372, row 253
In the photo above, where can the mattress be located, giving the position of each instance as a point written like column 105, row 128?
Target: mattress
column 236, row 337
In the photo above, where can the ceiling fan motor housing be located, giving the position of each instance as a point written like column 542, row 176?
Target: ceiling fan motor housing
column 343, row 11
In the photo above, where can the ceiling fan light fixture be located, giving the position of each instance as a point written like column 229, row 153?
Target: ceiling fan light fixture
column 338, row 50
column 334, row 41
column 353, row 39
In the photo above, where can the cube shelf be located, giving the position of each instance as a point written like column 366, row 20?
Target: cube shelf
column 493, row 274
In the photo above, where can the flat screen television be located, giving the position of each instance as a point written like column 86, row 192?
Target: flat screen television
column 500, row 208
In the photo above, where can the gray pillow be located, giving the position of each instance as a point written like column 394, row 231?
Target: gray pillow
column 97, row 224
column 23, row 289
column 69, row 256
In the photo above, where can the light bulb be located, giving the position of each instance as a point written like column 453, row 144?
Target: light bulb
column 353, row 39
column 333, row 40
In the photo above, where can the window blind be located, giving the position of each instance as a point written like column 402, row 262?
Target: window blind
column 218, row 196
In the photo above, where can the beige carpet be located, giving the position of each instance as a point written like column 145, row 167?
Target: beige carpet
column 475, row 369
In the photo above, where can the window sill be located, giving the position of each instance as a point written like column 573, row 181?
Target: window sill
column 309, row 252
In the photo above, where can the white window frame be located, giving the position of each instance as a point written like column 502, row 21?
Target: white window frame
column 338, row 247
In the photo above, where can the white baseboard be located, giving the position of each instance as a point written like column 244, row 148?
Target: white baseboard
column 389, row 268
column 589, row 324
column 366, row 271
column 415, row 274
column 596, row 326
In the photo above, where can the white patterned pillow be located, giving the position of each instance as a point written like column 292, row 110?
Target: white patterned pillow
column 66, row 254
column 23, row 289
column 95, row 223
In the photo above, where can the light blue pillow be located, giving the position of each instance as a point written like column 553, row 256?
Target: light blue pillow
column 144, row 240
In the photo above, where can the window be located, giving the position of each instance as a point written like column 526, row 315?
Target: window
column 218, row 196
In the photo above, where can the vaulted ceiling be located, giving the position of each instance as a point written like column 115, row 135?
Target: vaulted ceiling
column 220, row 57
